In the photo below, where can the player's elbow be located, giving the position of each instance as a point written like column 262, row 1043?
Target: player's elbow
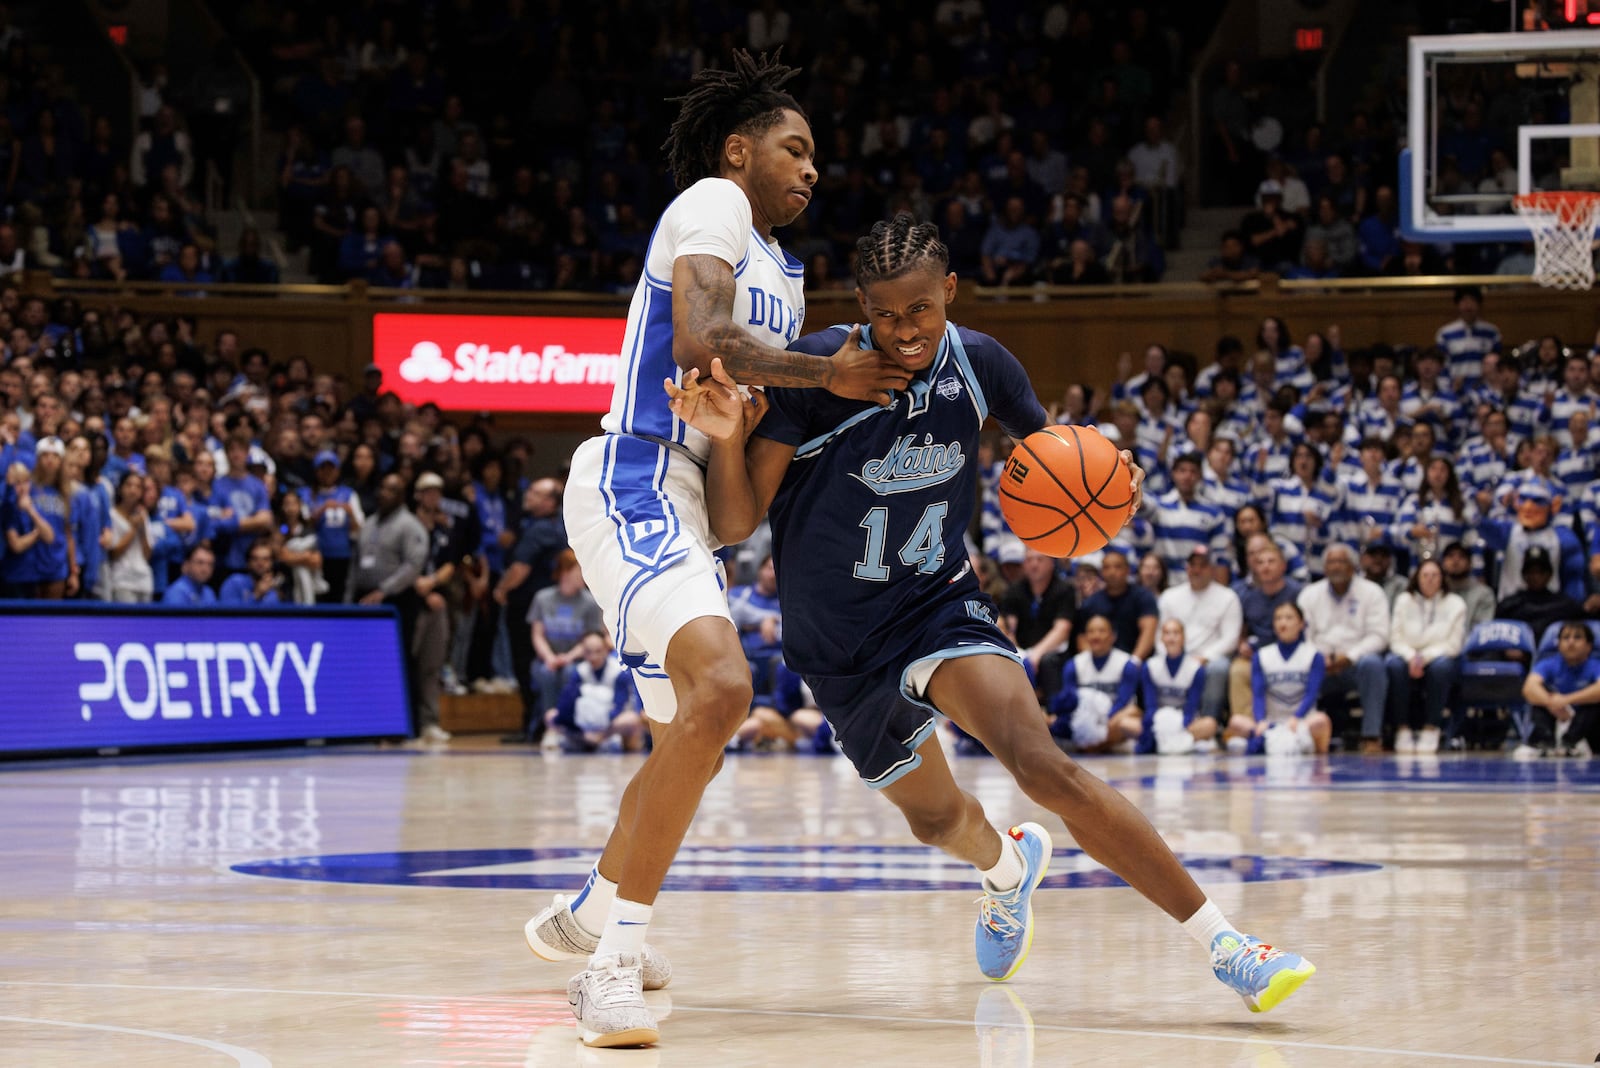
column 693, row 350
column 731, row 529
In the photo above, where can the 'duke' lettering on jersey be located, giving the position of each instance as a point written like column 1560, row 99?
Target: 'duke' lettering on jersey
column 770, row 310
column 907, row 466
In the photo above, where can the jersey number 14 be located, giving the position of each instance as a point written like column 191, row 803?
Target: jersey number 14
column 923, row 550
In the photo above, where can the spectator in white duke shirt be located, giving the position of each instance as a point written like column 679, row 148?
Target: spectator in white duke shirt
column 1347, row 620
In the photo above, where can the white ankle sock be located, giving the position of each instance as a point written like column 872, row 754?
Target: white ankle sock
column 1008, row 870
column 624, row 929
column 1207, row 922
column 593, row 903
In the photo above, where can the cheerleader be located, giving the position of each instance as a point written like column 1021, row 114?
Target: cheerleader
column 1171, row 687
column 1285, row 678
column 1097, row 704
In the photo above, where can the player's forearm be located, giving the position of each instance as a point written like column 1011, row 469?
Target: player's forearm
column 748, row 361
column 730, row 495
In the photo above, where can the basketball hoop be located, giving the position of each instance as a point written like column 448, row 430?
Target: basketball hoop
column 1563, row 225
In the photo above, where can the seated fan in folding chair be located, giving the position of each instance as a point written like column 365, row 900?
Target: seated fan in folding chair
column 1494, row 662
column 1563, row 692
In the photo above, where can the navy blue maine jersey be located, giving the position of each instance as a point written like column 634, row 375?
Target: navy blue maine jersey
column 868, row 523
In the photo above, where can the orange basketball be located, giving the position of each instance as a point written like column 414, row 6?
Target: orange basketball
column 1065, row 491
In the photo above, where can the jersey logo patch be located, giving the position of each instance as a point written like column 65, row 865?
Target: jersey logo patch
column 949, row 388
column 908, row 466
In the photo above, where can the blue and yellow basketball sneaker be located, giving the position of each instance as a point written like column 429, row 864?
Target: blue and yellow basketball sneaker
column 1005, row 921
column 1261, row 974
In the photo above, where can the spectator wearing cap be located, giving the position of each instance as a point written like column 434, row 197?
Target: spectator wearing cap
column 1132, row 610
column 1460, row 580
column 40, row 559
column 1377, row 566
column 192, row 588
column 530, row 569
column 241, row 507
column 1272, row 234
column 335, row 512
column 1009, row 554
column 257, row 585
column 1531, row 528
column 1467, row 339
column 1537, row 603
column 1212, row 618
column 1347, row 620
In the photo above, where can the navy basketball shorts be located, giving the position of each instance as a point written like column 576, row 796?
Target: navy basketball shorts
column 880, row 718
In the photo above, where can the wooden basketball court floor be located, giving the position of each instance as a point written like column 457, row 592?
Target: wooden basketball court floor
column 365, row 907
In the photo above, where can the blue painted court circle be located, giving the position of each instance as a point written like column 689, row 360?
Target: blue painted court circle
column 753, row 868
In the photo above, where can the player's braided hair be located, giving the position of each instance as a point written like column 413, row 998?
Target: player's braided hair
column 748, row 99
column 898, row 247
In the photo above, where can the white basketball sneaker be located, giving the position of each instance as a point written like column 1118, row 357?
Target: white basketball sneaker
column 555, row 934
column 607, row 999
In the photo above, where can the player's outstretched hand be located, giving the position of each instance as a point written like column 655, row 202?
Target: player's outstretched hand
column 1137, row 473
column 715, row 407
column 864, row 374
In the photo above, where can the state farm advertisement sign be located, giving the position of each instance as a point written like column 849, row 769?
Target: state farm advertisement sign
column 519, row 363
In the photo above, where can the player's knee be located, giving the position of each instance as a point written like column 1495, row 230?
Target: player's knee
column 937, row 826
column 1045, row 774
column 721, row 695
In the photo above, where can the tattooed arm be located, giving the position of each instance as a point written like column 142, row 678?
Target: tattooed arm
column 703, row 327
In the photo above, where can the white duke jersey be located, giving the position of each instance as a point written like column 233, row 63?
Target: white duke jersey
column 710, row 218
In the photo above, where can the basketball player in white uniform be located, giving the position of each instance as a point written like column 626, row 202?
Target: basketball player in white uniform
column 715, row 285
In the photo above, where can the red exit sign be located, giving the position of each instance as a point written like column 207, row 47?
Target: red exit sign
column 1309, row 38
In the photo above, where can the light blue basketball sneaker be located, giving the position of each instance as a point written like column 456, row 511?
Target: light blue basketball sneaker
column 1261, row 974
column 1005, row 921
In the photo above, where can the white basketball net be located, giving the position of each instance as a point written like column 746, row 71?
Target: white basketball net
column 1563, row 225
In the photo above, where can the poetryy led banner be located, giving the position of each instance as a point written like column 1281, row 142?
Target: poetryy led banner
column 80, row 677
column 499, row 362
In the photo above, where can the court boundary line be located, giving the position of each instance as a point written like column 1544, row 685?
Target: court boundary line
column 1181, row 1036
column 245, row 1058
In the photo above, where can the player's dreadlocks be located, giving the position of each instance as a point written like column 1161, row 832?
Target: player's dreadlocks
column 899, row 247
column 745, row 100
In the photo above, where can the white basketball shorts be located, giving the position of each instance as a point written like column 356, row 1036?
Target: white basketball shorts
column 636, row 518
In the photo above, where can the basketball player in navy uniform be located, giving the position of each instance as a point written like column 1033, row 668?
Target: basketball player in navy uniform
column 715, row 284
column 886, row 622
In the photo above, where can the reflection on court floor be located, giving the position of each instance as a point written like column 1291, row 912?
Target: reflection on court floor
column 336, row 908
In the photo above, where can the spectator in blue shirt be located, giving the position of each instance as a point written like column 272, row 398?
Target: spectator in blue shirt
column 1010, row 247
column 256, row 586
column 336, row 512
column 193, row 587
column 760, row 621
column 1564, row 690
column 1380, row 234
column 241, row 507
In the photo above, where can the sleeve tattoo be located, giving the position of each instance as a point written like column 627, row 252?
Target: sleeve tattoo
column 708, row 320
